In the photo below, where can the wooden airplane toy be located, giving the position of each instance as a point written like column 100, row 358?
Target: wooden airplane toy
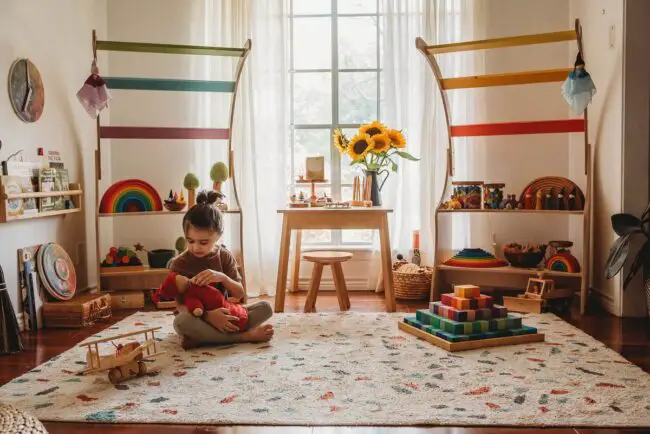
column 128, row 361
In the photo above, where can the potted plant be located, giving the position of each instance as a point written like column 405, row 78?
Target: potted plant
column 629, row 227
column 219, row 175
column 191, row 183
column 375, row 148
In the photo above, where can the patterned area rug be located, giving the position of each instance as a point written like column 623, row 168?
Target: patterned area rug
column 349, row 369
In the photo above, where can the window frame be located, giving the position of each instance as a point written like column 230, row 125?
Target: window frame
column 335, row 183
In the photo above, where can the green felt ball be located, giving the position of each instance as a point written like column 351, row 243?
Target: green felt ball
column 219, row 172
column 191, row 182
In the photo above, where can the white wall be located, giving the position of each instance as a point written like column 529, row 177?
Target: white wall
column 604, row 59
column 162, row 163
column 56, row 36
column 518, row 160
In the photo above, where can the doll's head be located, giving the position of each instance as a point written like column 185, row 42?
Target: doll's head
column 173, row 285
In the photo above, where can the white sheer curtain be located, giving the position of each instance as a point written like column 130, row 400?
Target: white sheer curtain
column 260, row 129
column 412, row 103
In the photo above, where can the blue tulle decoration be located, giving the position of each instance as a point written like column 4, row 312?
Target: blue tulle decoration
column 578, row 89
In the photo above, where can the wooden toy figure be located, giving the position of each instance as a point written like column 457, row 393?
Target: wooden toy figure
column 548, row 200
column 572, row 200
column 528, row 199
column 538, row 200
column 560, row 200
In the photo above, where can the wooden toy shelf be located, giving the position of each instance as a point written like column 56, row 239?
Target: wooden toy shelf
column 75, row 193
column 148, row 277
column 507, row 277
column 165, row 212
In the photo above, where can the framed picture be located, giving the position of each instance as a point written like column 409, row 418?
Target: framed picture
column 315, row 168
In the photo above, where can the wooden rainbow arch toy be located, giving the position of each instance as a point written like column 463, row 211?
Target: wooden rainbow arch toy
column 130, row 195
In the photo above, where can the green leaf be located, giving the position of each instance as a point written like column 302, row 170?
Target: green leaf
column 626, row 223
column 406, row 155
column 394, row 167
column 617, row 255
column 641, row 257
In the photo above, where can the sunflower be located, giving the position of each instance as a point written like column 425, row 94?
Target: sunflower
column 396, row 138
column 360, row 145
column 382, row 143
column 373, row 129
column 340, row 142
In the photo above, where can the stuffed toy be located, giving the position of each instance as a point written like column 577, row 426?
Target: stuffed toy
column 201, row 298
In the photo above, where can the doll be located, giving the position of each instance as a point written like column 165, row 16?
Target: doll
column 201, row 298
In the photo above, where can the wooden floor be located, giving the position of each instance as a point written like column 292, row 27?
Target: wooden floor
column 630, row 337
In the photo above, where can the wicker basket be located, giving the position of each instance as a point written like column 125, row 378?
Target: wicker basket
column 412, row 286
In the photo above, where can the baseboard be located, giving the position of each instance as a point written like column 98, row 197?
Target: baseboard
column 606, row 301
column 327, row 284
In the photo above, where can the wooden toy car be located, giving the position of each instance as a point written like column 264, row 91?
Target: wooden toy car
column 541, row 295
column 128, row 361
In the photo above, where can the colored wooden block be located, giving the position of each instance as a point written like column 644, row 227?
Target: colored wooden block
column 467, row 291
column 413, row 321
column 459, row 328
column 510, row 322
column 460, row 315
column 480, row 302
column 424, row 316
column 526, row 336
column 499, row 311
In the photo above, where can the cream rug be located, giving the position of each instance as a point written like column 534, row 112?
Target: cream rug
column 350, row 369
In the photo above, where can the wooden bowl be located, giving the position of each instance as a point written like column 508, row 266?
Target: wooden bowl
column 173, row 206
column 524, row 259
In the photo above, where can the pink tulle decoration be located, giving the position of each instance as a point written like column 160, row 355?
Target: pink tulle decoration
column 94, row 94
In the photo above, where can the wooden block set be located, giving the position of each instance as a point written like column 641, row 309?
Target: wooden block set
column 468, row 320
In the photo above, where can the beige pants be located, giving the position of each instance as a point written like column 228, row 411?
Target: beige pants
column 200, row 331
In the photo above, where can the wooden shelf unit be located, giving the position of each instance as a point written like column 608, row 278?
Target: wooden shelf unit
column 507, row 277
column 75, row 194
column 148, row 277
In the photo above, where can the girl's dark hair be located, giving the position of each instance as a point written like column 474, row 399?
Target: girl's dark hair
column 204, row 215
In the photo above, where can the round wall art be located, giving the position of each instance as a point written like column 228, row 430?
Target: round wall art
column 26, row 90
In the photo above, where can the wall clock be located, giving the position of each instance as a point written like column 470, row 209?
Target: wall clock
column 26, row 90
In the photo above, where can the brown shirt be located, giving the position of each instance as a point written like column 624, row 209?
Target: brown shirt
column 222, row 260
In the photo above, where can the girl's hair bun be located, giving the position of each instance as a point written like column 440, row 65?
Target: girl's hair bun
column 206, row 197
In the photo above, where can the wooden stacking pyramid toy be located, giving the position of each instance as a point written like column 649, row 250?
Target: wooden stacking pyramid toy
column 467, row 320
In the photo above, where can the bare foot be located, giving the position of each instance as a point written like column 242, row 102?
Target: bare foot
column 188, row 343
column 259, row 334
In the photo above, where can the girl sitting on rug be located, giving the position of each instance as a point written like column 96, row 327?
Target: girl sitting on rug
column 205, row 262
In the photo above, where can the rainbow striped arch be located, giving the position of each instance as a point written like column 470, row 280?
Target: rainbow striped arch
column 130, row 195
column 564, row 262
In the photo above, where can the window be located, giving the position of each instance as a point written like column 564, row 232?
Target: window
column 335, row 51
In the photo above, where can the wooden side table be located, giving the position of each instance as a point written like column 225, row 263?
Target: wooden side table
column 299, row 219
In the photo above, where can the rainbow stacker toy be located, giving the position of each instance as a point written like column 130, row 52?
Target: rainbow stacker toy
column 467, row 320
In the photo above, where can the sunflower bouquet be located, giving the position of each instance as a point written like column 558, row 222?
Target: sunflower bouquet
column 374, row 147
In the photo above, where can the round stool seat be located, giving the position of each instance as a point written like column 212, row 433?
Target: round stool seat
column 327, row 257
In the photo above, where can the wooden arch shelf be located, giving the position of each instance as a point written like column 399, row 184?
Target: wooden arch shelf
column 169, row 133
column 507, row 276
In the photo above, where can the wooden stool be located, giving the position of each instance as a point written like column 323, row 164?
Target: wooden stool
column 320, row 259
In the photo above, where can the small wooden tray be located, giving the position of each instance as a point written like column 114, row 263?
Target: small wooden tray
column 121, row 269
column 470, row 345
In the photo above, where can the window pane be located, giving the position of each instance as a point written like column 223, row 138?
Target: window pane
column 311, row 7
column 312, row 98
column 357, row 6
column 357, row 97
column 357, row 42
column 312, row 143
column 312, row 43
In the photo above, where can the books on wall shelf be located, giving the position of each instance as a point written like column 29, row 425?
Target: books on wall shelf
column 26, row 185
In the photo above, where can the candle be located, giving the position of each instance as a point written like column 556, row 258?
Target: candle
column 416, row 239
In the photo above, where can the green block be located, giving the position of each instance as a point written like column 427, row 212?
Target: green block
column 425, row 316
column 413, row 321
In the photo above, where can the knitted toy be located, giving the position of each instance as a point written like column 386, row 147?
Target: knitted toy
column 201, row 298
